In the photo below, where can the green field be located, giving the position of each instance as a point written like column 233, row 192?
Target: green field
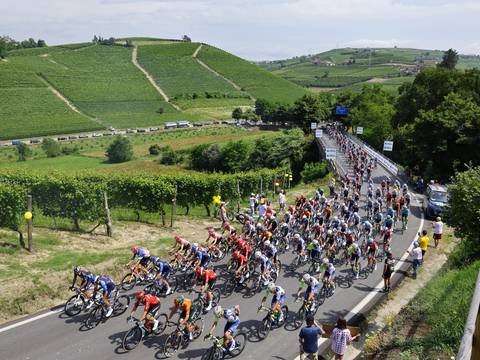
column 355, row 67
column 257, row 82
column 180, row 76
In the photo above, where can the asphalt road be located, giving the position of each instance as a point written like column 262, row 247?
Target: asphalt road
column 57, row 336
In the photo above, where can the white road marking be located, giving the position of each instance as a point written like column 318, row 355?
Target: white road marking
column 24, row 322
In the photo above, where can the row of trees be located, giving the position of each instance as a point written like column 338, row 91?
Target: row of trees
column 287, row 150
column 7, row 44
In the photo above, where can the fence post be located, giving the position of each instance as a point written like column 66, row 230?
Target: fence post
column 174, row 205
column 239, row 196
column 108, row 220
column 29, row 223
column 261, row 185
column 273, row 187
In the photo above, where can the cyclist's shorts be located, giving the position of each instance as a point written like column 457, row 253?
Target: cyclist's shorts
column 265, row 266
column 183, row 314
column 281, row 300
column 144, row 261
column 211, row 283
column 332, row 275
column 354, row 257
column 309, row 290
column 315, row 254
column 205, row 260
column 166, row 272
column 154, row 309
column 231, row 326
column 299, row 248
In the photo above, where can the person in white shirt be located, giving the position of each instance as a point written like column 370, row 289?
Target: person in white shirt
column 282, row 200
column 437, row 230
column 417, row 257
column 253, row 200
column 262, row 209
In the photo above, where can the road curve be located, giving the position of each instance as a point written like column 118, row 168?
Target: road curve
column 58, row 337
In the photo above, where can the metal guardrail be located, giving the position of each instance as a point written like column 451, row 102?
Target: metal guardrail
column 470, row 345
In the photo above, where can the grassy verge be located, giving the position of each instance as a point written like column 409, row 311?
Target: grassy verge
column 431, row 325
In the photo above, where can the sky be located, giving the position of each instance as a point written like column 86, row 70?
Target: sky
column 254, row 29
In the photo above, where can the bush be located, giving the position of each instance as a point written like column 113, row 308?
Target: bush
column 51, row 148
column 154, row 149
column 120, row 150
column 314, row 171
column 170, row 157
column 23, row 151
column 67, row 150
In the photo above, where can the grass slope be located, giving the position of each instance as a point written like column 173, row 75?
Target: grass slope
column 252, row 79
column 179, row 75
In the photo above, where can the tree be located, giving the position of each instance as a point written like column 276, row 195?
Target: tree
column 309, row 108
column 249, row 114
column 235, row 155
column 186, row 38
column 169, row 157
column 213, row 157
column 95, row 39
column 51, row 148
column 3, row 48
column 198, row 160
column 237, row 113
column 463, row 213
column 23, row 151
column 120, row 150
column 41, row 43
column 450, row 59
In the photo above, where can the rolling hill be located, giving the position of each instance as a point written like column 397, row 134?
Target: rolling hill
column 351, row 68
column 85, row 87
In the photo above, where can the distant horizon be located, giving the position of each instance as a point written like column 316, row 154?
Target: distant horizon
column 252, row 60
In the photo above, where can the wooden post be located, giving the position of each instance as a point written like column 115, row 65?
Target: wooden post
column 174, row 205
column 261, row 185
column 239, row 196
column 29, row 223
column 108, row 219
column 273, row 188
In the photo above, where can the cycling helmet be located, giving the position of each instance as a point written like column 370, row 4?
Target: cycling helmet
column 258, row 254
column 355, row 246
column 315, row 241
column 416, row 244
column 140, row 295
column 348, row 232
column 296, row 236
column 326, row 261
column 135, row 249
column 259, row 226
column 329, row 232
column 370, row 240
column 306, row 277
column 76, row 270
column 218, row 310
column 389, row 217
column 266, row 243
column 195, row 245
column 335, row 218
column 439, row 218
column 179, row 300
column 177, row 237
column 236, row 254
column 200, row 271
column 271, row 286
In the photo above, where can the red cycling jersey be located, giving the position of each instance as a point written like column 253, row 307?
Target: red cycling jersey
column 149, row 301
column 207, row 276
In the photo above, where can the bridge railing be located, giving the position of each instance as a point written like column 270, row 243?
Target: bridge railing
column 470, row 345
column 334, row 166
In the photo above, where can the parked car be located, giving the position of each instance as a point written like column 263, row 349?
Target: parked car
column 16, row 142
column 107, row 134
column 435, row 201
column 97, row 135
column 62, row 138
column 83, row 136
column 141, row 130
column 73, row 137
column 35, row 141
column 154, row 129
column 197, row 124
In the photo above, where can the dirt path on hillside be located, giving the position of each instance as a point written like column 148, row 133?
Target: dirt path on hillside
column 67, row 102
column 376, row 80
column 200, row 62
column 151, row 80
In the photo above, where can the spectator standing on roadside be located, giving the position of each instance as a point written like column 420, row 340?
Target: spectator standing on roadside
column 388, row 269
column 423, row 242
column 331, row 187
column 416, row 254
column 262, row 209
column 308, row 338
column 341, row 338
column 282, row 200
column 253, row 200
column 437, row 231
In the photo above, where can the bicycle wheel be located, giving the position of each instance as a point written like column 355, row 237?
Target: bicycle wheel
column 264, row 327
column 173, row 283
column 223, row 249
column 121, row 305
column 215, row 297
column 132, row 338
column 209, row 354
column 172, row 343
column 74, row 305
column 228, row 288
column 299, row 318
column 240, row 342
column 285, row 316
column 162, row 323
column 94, row 318
column 198, row 326
column 128, row 282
